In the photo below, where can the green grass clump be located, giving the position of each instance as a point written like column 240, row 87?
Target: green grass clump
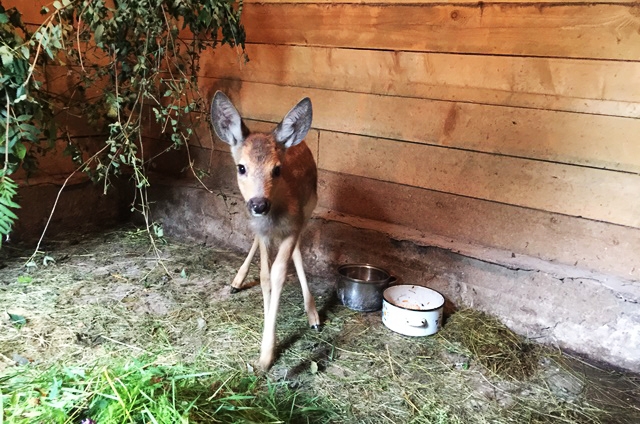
column 140, row 391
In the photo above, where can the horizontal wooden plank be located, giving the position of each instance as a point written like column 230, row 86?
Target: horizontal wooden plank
column 557, row 238
column 604, row 31
column 571, row 190
column 591, row 140
column 598, row 30
column 590, row 86
column 414, row 2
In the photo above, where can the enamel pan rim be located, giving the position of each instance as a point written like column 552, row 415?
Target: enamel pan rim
column 390, row 302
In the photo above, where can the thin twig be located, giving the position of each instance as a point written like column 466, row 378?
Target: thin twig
column 194, row 171
column 78, row 39
column 411, row 404
column 115, row 73
column 33, row 65
column 393, row 373
column 169, row 69
column 6, row 137
column 124, row 344
column 55, row 203
column 142, row 186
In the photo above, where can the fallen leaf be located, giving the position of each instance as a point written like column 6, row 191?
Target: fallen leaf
column 20, row 360
column 17, row 320
column 202, row 324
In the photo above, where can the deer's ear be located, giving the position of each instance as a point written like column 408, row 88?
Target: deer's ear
column 226, row 120
column 295, row 125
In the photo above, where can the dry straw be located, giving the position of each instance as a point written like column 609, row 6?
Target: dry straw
column 106, row 308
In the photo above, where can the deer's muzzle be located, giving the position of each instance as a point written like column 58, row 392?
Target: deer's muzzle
column 259, row 206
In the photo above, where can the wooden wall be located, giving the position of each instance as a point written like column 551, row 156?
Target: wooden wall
column 512, row 126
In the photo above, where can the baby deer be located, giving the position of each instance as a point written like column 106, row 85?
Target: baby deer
column 277, row 177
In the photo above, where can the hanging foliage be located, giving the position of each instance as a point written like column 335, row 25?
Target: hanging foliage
column 25, row 113
column 136, row 58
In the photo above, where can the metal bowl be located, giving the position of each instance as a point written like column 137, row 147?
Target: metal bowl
column 360, row 286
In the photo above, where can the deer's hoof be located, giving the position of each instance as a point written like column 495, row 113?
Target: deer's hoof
column 263, row 365
column 234, row 290
column 317, row 327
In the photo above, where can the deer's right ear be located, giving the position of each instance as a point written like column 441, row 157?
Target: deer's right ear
column 226, row 119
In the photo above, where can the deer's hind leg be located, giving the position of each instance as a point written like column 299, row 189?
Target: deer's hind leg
column 309, row 301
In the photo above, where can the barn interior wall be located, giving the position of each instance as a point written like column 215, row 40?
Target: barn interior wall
column 487, row 149
column 514, row 124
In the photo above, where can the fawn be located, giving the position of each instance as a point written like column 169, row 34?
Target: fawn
column 277, row 177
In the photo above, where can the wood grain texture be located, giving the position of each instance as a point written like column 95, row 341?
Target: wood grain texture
column 551, row 237
column 589, row 86
column 413, row 2
column 573, row 138
column 604, row 31
column 577, row 191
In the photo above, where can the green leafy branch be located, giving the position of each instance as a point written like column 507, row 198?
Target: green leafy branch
column 26, row 116
column 8, row 190
column 137, row 58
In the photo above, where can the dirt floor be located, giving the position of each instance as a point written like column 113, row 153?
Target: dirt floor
column 87, row 298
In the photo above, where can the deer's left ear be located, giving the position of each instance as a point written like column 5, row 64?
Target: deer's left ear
column 295, row 125
column 226, row 120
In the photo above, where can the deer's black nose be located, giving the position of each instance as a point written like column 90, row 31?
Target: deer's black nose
column 259, row 206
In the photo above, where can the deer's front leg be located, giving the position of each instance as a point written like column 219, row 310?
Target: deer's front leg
column 236, row 285
column 278, row 275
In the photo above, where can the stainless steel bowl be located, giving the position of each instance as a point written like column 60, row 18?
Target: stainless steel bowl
column 360, row 286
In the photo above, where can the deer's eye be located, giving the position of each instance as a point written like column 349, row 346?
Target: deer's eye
column 276, row 171
column 242, row 170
